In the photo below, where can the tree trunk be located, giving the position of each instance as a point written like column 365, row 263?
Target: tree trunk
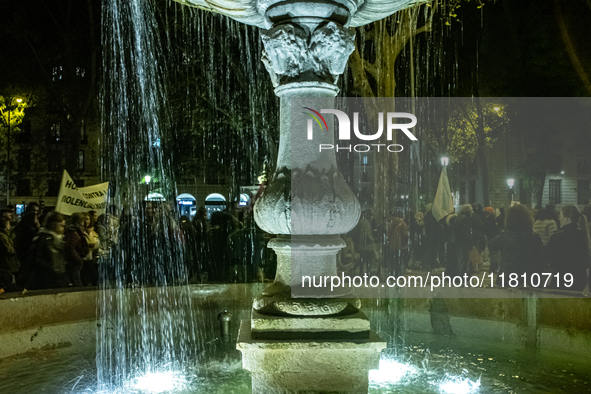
column 481, row 153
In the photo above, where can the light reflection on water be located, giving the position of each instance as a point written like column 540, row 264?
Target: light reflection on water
column 430, row 365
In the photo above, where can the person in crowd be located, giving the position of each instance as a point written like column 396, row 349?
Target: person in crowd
column 244, row 251
column 190, row 248
column 25, row 231
column 14, row 219
column 434, row 240
column 521, row 249
column 349, row 258
column 76, row 247
column 489, row 223
column 103, row 230
column 501, row 219
column 93, row 215
column 544, row 225
column 114, row 223
column 460, row 242
column 222, row 225
column 587, row 213
column 417, row 233
column 43, row 214
column 89, row 273
column 396, row 249
column 363, row 238
column 478, row 210
column 33, row 207
column 477, row 228
column 9, row 266
column 551, row 209
column 568, row 249
column 47, row 264
column 201, row 241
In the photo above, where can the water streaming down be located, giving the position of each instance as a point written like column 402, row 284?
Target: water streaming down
column 185, row 93
column 224, row 109
column 225, row 122
column 146, row 321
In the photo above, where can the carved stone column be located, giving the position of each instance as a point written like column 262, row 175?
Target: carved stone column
column 307, row 201
column 317, row 343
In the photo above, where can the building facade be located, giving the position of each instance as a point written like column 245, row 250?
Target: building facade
column 567, row 182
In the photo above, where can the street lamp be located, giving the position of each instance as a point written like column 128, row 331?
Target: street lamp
column 444, row 161
column 511, row 183
column 10, row 108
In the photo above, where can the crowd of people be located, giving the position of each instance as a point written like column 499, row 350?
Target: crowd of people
column 46, row 249
column 229, row 247
column 517, row 240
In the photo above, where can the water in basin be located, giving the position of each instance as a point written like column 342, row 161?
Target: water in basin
column 428, row 364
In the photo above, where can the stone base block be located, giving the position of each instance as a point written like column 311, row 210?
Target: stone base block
column 354, row 326
column 308, row 366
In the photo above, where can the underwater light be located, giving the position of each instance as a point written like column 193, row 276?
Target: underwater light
column 159, row 382
column 457, row 385
column 391, row 371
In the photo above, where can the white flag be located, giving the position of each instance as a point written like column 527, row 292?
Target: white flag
column 443, row 204
column 72, row 199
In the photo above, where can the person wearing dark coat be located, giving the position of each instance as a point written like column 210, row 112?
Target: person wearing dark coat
column 521, row 249
column 568, row 249
column 477, row 227
column 460, row 241
column 434, row 240
column 396, row 244
column 47, row 264
column 364, row 242
column 25, row 231
column 501, row 219
column 489, row 223
column 76, row 247
column 9, row 266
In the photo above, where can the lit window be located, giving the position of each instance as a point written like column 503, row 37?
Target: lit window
column 81, row 160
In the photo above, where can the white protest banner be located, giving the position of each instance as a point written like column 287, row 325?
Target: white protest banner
column 73, row 199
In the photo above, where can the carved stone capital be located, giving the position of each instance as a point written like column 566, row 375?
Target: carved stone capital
column 298, row 53
column 331, row 46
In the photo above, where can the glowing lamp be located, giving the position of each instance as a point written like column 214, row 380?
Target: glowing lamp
column 510, row 182
column 444, row 161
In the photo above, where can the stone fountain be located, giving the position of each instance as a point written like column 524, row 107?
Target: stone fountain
column 318, row 343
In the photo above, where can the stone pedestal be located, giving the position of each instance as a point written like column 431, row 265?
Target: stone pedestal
column 348, row 327
column 308, row 366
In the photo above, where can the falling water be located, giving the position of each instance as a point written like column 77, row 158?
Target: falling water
column 146, row 324
column 184, row 93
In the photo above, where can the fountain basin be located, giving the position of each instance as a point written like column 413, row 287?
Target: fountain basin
column 41, row 319
column 53, row 331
